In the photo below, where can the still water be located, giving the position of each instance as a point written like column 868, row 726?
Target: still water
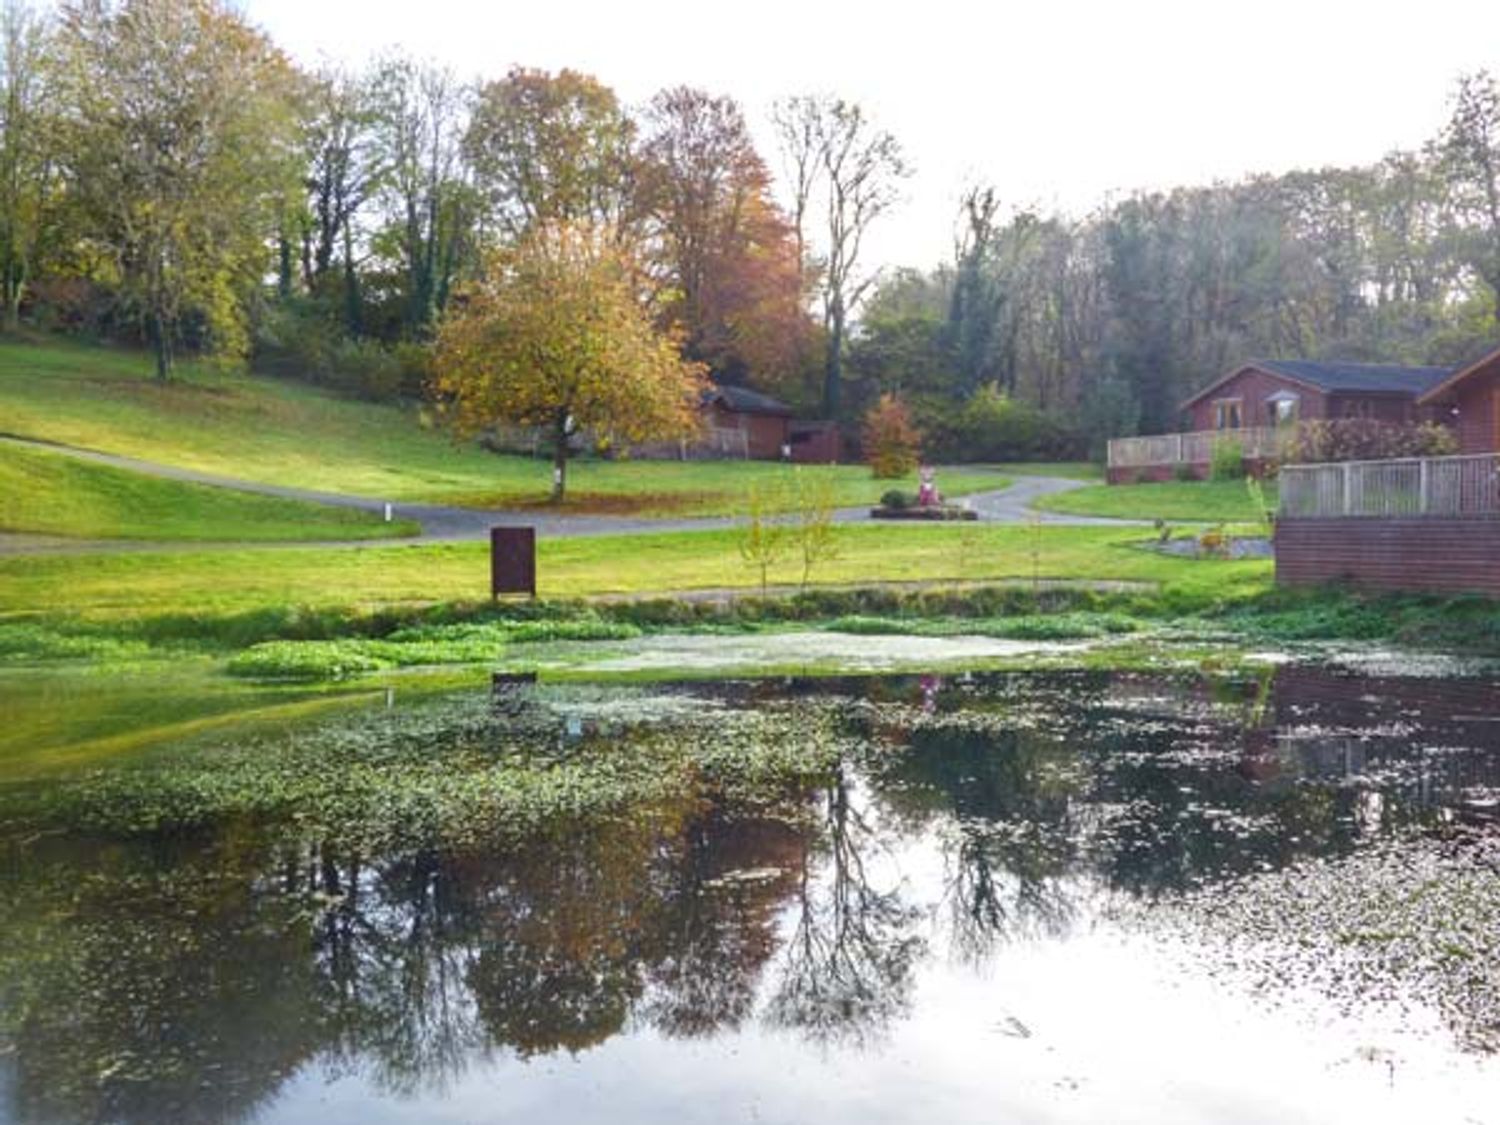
column 1015, row 898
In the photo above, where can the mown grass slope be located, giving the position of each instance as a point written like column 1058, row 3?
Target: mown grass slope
column 284, row 432
column 211, row 584
column 48, row 493
column 1190, row 501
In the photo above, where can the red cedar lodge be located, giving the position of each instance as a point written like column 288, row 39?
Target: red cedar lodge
column 1455, row 549
column 1262, row 398
column 768, row 425
column 1274, row 392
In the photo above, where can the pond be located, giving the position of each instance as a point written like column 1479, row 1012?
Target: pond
column 966, row 897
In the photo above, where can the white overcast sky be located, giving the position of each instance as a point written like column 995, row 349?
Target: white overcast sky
column 1057, row 103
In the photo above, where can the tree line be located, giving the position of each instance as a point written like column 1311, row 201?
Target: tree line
column 169, row 175
column 167, row 172
column 1062, row 332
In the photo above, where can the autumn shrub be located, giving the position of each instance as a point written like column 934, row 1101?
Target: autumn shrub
column 1364, row 439
column 891, row 442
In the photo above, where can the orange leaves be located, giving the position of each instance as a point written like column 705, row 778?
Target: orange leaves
column 892, row 443
column 556, row 332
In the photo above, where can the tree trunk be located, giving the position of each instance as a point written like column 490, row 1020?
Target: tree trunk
column 559, row 456
column 161, row 341
column 833, row 369
column 284, row 268
column 353, row 310
column 15, row 285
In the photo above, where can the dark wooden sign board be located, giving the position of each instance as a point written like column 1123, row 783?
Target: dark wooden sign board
column 512, row 561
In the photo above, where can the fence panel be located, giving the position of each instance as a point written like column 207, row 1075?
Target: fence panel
column 1195, row 448
column 1416, row 486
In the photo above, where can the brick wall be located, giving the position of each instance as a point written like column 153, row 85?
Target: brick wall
column 1439, row 555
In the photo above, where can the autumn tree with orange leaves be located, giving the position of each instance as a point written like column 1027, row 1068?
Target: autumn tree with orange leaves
column 726, row 256
column 556, row 336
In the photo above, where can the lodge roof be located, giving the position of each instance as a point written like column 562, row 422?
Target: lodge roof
column 743, row 400
column 1336, row 376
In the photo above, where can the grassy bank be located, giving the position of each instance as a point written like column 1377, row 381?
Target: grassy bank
column 49, row 493
column 1189, row 501
column 283, row 432
column 210, row 585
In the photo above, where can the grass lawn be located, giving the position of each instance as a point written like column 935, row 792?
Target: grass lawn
column 1197, row 501
column 1071, row 470
column 53, row 494
column 223, row 583
column 284, row 432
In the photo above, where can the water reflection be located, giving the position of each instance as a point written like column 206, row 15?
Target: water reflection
column 191, row 977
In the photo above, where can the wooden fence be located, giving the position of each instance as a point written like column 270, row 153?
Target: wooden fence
column 1196, row 448
column 712, row 443
column 1431, row 487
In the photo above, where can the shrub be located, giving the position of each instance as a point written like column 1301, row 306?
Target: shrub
column 1227, row 461
column 996, row 427
column 897, row 500
column 1364, row 439
column 296, row 340
column 892, row 443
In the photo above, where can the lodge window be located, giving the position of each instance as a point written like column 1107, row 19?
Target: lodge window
column 1283, row 410
column 1227, row 413
column 1359, row 408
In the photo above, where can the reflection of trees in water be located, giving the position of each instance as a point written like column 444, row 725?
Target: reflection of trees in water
column 137, row 983
column 124, row 990
column 1012, row 816
column 391, row 950
column 846, row 968
column 133, row 973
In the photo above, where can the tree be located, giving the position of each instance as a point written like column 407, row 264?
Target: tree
column 552, row 148
column 345, row 167
column 420, row 120
column 1470, row 154
column 892, row 444
column 858, row 167
column 555, row 336
column 765, row 539
column 813, row 530
column 727, row 259
column 179, row 143
column 29, row 187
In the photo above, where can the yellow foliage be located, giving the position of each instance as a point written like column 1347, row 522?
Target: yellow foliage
column 556, row 336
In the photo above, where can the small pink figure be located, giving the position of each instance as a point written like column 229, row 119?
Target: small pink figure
column 927, row 493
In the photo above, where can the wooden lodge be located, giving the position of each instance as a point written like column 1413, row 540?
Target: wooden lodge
column 743, row 424
column 1259, row 404
column 1422, row 523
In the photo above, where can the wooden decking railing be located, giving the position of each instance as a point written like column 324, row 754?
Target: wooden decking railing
column 1196, row 448
column 1438, row 487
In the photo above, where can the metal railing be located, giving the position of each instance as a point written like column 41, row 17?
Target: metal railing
column 1197, row 447
column 1434, row 487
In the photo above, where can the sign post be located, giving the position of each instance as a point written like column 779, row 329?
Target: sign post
column 512, row 561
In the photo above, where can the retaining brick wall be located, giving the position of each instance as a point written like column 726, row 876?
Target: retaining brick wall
column 1439, row 555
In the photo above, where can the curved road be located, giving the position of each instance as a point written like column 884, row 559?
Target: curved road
column 446, row 524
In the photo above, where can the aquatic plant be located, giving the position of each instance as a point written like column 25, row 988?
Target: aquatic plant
column 448, row 771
